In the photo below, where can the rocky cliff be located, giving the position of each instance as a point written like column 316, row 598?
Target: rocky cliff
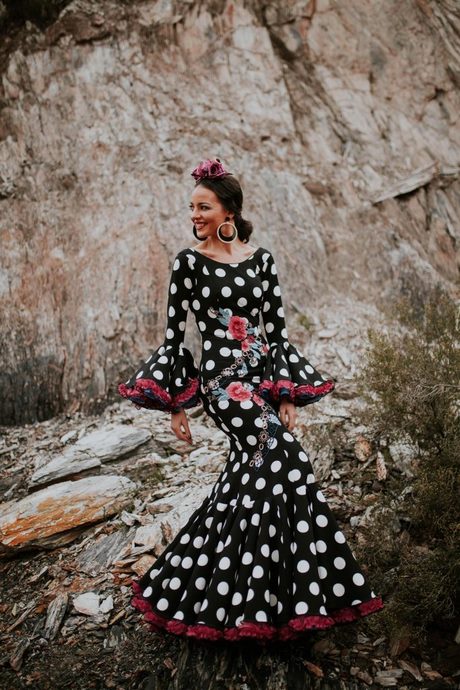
column 340, row 119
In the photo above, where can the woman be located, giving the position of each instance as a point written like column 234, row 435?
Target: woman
column 263, row 556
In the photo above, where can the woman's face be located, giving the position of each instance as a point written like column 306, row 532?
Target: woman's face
column 207, row 213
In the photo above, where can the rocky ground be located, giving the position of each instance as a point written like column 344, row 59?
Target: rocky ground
column 89, row 502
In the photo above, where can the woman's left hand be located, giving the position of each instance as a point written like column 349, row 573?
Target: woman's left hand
column 288, row 414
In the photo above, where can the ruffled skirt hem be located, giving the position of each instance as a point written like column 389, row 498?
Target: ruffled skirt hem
column 252, row 629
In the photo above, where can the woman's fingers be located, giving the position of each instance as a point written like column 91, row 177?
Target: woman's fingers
column 288, row 415
column 180, row 427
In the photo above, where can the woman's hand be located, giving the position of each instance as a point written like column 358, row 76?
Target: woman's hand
column 288, row 414
column 179, row 424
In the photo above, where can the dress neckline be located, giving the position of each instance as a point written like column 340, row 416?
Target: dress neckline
column 223, row 263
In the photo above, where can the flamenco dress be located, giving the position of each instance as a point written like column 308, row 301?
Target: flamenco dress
column 262, row 557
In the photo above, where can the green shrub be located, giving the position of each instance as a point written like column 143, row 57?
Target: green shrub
column 411, row 382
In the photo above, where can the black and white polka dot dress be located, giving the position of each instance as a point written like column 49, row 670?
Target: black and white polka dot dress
column 262, row 556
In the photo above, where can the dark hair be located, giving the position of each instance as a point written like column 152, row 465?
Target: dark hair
column 228, row 191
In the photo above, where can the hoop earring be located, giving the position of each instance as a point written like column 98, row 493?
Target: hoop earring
column 200, row 239
column 222, row 238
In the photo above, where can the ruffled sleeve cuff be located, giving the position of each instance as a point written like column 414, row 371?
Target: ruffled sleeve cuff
column 167, row 380
column 289, row 375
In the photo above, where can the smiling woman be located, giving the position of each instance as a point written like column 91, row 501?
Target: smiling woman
column 263, row 556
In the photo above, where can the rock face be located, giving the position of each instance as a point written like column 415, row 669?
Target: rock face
column 340, row 120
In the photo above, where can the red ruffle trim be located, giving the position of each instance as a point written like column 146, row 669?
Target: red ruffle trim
column 296, row 394
column 147, row 393
column 258, row 631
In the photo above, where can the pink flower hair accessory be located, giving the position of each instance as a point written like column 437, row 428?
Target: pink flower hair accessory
column 210, row 169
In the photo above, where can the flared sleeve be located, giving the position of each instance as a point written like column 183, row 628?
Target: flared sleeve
column 288, row 374
column 168, row 379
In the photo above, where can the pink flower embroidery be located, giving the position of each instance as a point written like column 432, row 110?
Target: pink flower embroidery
column 245, row 345
column 237, row 327
column 236, row 391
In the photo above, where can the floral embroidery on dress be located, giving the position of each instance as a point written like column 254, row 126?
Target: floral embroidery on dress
column 252, row 348
column 239, row 328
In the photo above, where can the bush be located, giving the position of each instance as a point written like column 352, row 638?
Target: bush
column 411, row 382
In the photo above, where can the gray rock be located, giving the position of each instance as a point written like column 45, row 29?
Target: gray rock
column 90, row 451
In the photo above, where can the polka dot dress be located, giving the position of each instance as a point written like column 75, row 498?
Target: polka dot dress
column 263, row 556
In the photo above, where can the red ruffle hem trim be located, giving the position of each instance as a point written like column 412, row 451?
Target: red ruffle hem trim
column 296, row 394
column 258, row 631
column 147, row 393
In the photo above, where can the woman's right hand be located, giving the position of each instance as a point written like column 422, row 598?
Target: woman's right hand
column 179, row 425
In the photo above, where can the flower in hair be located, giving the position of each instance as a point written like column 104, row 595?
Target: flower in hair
column 210, row 169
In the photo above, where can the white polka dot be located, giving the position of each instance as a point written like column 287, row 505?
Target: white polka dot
column 207, row 345
column 247, row 558
column 251, row 440
column 301, row 607
column 187, row 562
column 226, row 292
column 294, row 475
column 203, row 559
column 321, row 546
column 321, row 520
column 205, row 291
column 237, row 598
column 303, row 566
column 272, row 530
column 302, row 526
column 224, row 563
column 210, row 364
column 173, row 288
column 242, row 302
column 219, row 333
column 303, row 456
column 309, row 369
column 265, row 550
column 225, row 351
column 339, row 563
column 236, row 421
column 176, row 265
column 322, row 572
column 250, row 594
column 339, row 590
column 162, row 604
column 358, row 579
column 223, row 588
column 158, row 375
column 269, row 327
column 245, row 478
column 198, row 542
column 175, row 582
column 188, row 283
column 239, row 280
column 220, row 272
column 204, row 605
column 339, row 537
column 275, row 555
column 246, row 404
column 169, row 333
column 147, row 592
column 261, row 616
column 260, row 483
column 257, row 571
column 314, row 588
column 301, row 490
column 220, row 613
column 275, row 466
column 257, row 292
column 277, row 489
column 175, row 560
column 223, row 404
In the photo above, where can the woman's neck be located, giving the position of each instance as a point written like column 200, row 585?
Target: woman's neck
column 214, row 248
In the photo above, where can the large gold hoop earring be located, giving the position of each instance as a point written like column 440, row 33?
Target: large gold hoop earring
column 222, row 238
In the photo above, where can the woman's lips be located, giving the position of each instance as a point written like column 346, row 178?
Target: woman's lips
column 199, row 225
